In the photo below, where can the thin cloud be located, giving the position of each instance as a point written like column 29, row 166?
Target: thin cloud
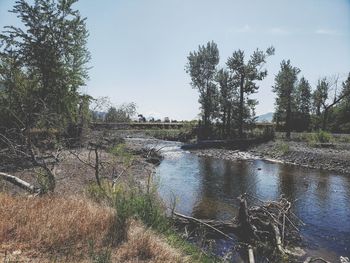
column 244, row 29
column 322, row 31
column 279, row 31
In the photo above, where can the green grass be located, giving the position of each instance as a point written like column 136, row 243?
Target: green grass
column 282, row 147
column 320, row 137
column 197, row 255
column 132, row 202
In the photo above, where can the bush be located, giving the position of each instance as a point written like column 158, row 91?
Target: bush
column 131, row 202
column 319, row 137
column 282, row 147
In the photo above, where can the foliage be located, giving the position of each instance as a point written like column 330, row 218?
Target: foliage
column 301, row 118
column 245, row 75
column 282, row 147
column 46, row 182
column 319, row 137
column 228, row 98
column 339, row 116
column 285, row 86
column 202, row 69
column 122, row 153
column 224, row 94
column 43, row 64
column 123, row 113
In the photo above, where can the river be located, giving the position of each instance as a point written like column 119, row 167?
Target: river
column 208, row 188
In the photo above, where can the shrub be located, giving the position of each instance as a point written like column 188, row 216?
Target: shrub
column 319, row 137
column 130, row 201
column 282, row 147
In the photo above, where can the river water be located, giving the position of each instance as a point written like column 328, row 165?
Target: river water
column 208, row 188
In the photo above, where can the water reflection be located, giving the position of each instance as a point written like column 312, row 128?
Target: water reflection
column 208, row 188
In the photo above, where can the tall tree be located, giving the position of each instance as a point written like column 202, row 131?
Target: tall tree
column 50, row 47
column 341, row 120
column 285, row 82
column 227, row 98
column 202, row 68
column 326, row 96
column 303, row 104
column 245, row 75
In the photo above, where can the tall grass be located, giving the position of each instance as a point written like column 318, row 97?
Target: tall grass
column 53, row 223
column 142, row 204
column 282, row 147
column 319, row 137
column 68, row 229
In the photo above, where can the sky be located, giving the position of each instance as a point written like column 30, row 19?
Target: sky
column 139, row 48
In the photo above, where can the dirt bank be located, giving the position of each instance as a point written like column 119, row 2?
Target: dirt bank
column 66, row 226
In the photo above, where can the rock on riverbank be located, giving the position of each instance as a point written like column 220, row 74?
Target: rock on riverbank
column 335, row 158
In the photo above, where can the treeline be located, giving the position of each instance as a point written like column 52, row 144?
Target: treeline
column 103, row 110
column 227, row 109
column 224, row 92
column 299, row 108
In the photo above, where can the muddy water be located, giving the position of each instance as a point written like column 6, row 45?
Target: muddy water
column 209, row 187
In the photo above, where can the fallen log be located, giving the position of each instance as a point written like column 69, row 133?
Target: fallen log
column 20, row 183
column 212, row 224
column 251, row 255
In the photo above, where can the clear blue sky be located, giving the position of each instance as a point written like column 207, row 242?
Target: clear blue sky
column 139, row 48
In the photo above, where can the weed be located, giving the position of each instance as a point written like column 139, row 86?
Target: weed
column 282, row 147
column 122, row 153
column 101, row 256
column 320, row 137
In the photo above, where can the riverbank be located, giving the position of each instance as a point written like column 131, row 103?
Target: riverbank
column 82, row 222
column 335, row 157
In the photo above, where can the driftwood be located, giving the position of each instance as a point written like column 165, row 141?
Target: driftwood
column 20, row 183
column 212, row 224
column 318, row 259
column 251, row 255
column 271, row 223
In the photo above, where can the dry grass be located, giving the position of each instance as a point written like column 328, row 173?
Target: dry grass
column 59, row 229
column 145, row 246
column 52, row 223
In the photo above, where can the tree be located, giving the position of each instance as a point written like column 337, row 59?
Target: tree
column 284, row 87
column 340, row 120
column 227, row 99
column 245, row 75
column 303, row 105
column 121, row 114
column 42, row 66
column 326, row 97
column 202, row 69
column 49, row 51
column 111, row 115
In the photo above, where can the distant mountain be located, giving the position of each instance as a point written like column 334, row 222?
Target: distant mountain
column 267, row 117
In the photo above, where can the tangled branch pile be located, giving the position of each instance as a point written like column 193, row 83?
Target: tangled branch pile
column 272, row 222
column 271, row 225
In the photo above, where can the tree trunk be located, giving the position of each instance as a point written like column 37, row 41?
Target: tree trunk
column 241, row 108
column 228, row 126
column 19, row 182
column 288, row 117
column 223, row 131
column 325, row 118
